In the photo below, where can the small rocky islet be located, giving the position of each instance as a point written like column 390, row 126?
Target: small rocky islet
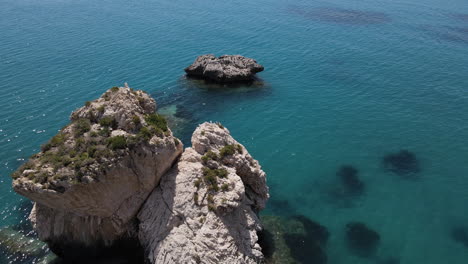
column 226, row 69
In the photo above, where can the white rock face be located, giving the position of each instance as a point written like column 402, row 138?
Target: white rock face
column 185, row 220
column 87, row 207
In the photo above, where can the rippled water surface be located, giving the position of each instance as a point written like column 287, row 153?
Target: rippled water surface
column 345, row 83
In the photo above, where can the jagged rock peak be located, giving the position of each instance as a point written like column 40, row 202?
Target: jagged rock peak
column 224, row 69
column 205, row 208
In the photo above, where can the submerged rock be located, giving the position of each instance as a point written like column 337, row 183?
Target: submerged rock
column 16, row 243
column 294, row 240
column 403, row 163
column 361, row 240
column 389, row 260
column 90, row 180
column 224, row 69
column 460, row 234
column 348, row 176
column 205, row 209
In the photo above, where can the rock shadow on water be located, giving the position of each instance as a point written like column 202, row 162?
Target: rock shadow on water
column 343, row 16
column 361, row 240
column 267, row 242
column 200, row 83
column 403, row 163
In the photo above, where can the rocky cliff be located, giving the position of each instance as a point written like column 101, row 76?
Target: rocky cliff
column 115, row 177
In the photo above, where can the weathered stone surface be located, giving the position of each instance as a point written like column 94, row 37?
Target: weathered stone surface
column 224, row 69
column 187, row 219
column 89, row 184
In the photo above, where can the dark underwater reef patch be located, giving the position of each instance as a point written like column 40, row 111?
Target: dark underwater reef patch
column 361, row 240
column 389, row 260
column 349, row 178
column 403, row 163
column 346, row 188
column 341, row 15
column 449, row 34
column 295, row 239
column 460, row 235
column 314, row 230
column 459, row 16
column 308, row 247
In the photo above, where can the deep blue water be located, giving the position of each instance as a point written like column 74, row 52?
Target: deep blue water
column 346, row 82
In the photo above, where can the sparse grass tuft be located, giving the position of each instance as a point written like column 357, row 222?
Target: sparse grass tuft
column 136, row 120
column 117, row 142
column 108, row 121
column 101, row 109
column 210, row 155
column 227, row 150
column 82, row 126
column 157, row 121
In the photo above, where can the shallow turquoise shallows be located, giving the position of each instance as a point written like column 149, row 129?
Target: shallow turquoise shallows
column 345, row 82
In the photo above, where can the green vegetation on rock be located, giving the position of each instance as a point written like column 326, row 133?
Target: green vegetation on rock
column 86, row 148
column 209, row 155
column 117, row 142
column 227, row 150
column 157, row 121
column 82, row 126
column 108, row 121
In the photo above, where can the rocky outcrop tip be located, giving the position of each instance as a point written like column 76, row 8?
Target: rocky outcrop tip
column 224, row 69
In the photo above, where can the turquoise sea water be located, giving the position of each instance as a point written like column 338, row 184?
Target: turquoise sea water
column 345, row 82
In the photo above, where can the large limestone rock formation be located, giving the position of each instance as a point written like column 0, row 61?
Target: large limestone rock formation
column 224, row 69
column 205, row 209
column 112, row 180
column 90, row 180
